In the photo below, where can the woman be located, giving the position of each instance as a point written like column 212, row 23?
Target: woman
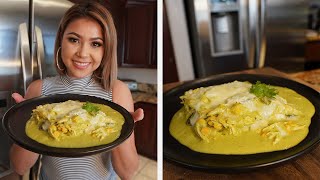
column 86, row 60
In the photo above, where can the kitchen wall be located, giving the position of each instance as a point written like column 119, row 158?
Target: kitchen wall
column 139, row 74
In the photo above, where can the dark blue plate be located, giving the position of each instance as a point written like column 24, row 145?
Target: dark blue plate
column 14, row 122
column 182, row 155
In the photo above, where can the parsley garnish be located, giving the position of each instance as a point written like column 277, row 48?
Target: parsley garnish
column 263, row 91
column 91, row 108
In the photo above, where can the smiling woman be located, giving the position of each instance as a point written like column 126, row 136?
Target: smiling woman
column 86, row 59
column 87, row 39
column 82, row 47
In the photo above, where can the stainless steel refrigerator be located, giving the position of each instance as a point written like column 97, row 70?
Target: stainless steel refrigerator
column 232, row 35
column 27, row 34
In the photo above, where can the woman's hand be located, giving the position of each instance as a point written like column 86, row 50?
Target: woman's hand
column 21, row 159
column 125, row 159
column 17, row 97
column 137, row 115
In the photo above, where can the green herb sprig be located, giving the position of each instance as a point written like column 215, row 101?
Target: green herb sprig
column 91, row 108
column 263, row 91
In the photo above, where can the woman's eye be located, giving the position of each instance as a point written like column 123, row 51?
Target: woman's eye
column 96, row 44
column 73, row 40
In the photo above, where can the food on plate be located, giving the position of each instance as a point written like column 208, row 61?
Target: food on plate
column 241, row 118
column 74, row 124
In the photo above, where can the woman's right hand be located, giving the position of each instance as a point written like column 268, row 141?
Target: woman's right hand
column 21, row 159
column 17, row 97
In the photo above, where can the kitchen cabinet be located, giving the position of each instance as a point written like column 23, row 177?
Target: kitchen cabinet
column 145, row 131
column 170, row 73
column 139, row 38
column 312, row 54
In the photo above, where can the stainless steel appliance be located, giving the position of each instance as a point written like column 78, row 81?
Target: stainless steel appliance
column 231, row 35
column 27, row 35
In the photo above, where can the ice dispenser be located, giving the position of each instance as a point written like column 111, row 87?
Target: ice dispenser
column 225, row 29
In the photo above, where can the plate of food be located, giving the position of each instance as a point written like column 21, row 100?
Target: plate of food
column 68, row 125
column 239, row 122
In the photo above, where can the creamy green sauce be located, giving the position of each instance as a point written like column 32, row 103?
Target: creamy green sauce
column 81, row 141
column 247, row 142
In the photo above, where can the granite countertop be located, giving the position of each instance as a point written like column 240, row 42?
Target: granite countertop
column 144, row 97
column 145, row 93
column 312, row 77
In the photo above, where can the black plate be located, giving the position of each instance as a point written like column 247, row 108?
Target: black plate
column 182, row 155
column 15, row 119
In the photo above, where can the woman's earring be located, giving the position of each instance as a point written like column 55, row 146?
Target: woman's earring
column 57, row 60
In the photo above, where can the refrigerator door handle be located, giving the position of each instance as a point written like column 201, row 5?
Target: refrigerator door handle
column 203, row 28
column 262, row 34
column 40, row 51
column 252, row 31
column 247, row 39
column 26, row 63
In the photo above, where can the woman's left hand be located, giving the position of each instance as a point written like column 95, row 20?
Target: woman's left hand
column 137, row 115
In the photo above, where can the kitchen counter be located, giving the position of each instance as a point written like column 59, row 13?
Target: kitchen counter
column 144, row 97
column 145, row 93
column 304, row 167
column 312, row 77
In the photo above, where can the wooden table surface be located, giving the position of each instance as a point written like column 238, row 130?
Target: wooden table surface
column 304, row 167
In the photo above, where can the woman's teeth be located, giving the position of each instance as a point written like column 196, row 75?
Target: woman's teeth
column 81, row 64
